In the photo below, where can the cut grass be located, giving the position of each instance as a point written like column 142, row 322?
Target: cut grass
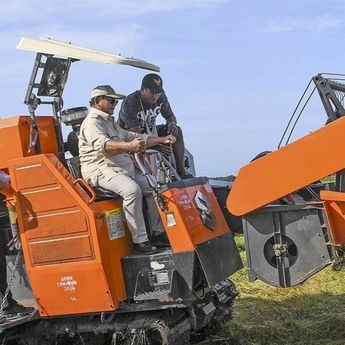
column 312, row 313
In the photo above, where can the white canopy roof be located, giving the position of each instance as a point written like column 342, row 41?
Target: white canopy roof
column 68, row 50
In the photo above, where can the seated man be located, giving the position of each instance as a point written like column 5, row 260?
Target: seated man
column 139, row 111
column 12, row 308
column 104, row 151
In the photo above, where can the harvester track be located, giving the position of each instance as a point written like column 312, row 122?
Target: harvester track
column 169, row 327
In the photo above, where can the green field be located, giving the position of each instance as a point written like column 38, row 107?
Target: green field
column 313, row 313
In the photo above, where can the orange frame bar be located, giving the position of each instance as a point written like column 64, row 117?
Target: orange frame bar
column 288, row 169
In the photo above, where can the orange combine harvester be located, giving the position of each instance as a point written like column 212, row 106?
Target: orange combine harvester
column 86, row 283
column 73, row 250
column 292, row 222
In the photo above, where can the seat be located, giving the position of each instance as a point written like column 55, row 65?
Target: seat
column 72, row 144
column 74, row 168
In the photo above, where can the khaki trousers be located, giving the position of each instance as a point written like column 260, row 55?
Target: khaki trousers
column 132, row 192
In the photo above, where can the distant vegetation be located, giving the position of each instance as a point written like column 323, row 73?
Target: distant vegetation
column 230, row 178
column 328, row 179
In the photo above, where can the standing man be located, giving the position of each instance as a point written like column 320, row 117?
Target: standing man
column 105, row 157
column 139, row 111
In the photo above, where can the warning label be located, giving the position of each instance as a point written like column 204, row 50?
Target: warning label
column 115, row 219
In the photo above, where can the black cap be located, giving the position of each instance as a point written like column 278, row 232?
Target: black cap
column 153, row 82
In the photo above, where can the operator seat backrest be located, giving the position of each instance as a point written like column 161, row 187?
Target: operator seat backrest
column 73, row 143
column 74, row 168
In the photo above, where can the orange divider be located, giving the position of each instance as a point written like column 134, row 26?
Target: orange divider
column 288, row 169
column 334, row 203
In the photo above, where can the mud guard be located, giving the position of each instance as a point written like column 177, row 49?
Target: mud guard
column 211, row 256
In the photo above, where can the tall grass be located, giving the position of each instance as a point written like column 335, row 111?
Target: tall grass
column 312, row 313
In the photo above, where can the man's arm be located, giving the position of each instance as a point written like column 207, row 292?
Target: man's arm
column 154, row 141
column 169, row 116
column 137, row 144
column 166, row 110
column 128, row 115
column 94, row 133
column 115, row 147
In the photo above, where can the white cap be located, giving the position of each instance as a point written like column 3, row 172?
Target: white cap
column 105, row 90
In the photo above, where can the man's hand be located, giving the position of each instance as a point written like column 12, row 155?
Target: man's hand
column 136, row 145
column 165, row 146
column 169, row 139
column 136, row 130
column 154, row 141
column 173, row 129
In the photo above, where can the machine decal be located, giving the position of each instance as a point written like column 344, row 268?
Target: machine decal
column 67, row 283
column 171, row 221
column 208, row 308
column 155, row 265
column 185, row 202
column 159, row 278
column 115, row 219
column 206, row 212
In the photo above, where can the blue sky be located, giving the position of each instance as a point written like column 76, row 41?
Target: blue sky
column 233, row 70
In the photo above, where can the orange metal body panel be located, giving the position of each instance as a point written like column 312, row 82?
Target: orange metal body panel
column 15, row 134
column 189, row 229
column 334, row 203
column 113, row 250
column 73, row 265
column 288, row 169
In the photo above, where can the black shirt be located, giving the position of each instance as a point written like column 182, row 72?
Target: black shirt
column 135, row 112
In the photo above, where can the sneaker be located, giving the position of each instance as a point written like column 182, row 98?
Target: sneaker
column 17, row 309
column 160, row 239
column 144, row 248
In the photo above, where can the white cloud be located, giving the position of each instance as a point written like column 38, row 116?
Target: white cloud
column 118, row 39
column 32, row 11
column 316, row 24
column 21, row 10
column 137, row 7
column 324, row 22
column 284, row 26
column 106, row 26
column 182, row 62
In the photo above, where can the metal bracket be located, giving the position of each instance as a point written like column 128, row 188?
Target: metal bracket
column 50, row 82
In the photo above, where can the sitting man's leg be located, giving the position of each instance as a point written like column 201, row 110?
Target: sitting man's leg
column 159, row 237
column 130, row 191
column 178, row 149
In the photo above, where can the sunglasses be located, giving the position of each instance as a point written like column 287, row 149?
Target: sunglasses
column 112, row 101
